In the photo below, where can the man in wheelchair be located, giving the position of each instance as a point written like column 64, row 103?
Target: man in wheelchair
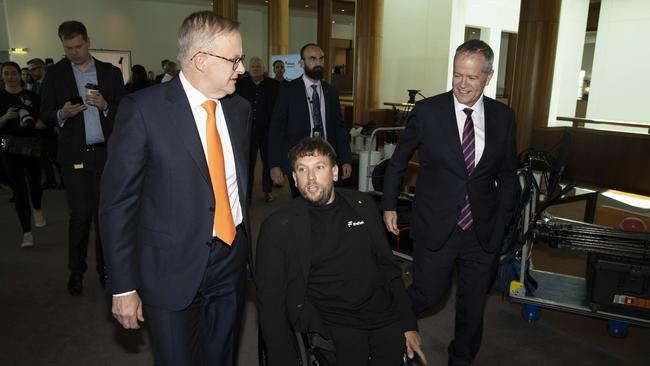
column 324, row 268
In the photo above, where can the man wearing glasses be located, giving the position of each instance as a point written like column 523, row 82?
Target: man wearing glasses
column 37, row 70
column 173, row 210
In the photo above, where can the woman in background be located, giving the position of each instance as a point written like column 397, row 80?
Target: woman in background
column 19, row 122
column 139, row 79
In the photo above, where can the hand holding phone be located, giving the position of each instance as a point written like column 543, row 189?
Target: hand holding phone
column 76, row 100
column 71, row 108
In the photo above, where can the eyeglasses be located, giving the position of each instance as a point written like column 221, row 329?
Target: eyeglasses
column 235, row 61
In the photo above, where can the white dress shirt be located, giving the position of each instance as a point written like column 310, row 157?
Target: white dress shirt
column 309, row 91
column 196, row 99
column 478, row 116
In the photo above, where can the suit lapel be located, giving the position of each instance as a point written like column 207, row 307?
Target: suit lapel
column 99, row 69
column 450, row 134
column 302, row 97
column 70, row 81
column 182, row 117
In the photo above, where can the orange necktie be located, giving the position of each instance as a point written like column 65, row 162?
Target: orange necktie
column 224, row 224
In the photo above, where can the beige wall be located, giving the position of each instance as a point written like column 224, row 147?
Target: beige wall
column 147, row 28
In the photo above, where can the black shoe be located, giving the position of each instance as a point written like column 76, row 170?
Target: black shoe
column 75, row 285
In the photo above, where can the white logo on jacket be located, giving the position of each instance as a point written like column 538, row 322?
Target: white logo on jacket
column 355, row 223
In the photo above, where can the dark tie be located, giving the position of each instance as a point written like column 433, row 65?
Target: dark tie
column 465, row 219
column 315, row 106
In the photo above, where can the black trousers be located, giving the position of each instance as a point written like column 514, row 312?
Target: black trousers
column 260, row 141
column 82, row 182
column 377, row 347
column 24, row 175
column 207, row 331
column 431, row 279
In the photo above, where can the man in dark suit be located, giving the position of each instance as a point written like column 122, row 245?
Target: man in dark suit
column 324, row 265
column 80, row 95
column 465, row 193
column 261, row 92
column 173, row 205
column 37, row 70
column 307, row 106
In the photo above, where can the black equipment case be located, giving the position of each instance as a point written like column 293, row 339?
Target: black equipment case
column 619, row 285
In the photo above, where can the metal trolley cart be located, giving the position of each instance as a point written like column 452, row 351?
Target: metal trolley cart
column 570, row 293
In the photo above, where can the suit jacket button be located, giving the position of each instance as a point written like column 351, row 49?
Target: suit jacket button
column 299, row 306
column 211, row 209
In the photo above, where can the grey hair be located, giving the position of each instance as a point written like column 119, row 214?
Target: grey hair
column 198, row 31
column 476, row 46
column 256, row 58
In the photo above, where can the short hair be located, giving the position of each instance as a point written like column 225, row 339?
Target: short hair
column 170, row 65
column 72, row 28
column 198, row 30
column 10, row 64
column 256, row 58
column 277, row 62
column 36, row 61
column 311, row 146
column 476, row 46
column 302, row 50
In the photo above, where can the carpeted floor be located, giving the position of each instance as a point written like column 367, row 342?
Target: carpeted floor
column 43, row 325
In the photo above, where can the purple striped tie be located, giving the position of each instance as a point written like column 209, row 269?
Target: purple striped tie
column 465, row 219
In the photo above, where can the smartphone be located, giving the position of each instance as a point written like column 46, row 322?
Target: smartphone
column 76, row 100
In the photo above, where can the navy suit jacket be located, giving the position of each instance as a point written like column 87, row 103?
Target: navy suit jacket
column 442, row 179
column 290, row 123
column 59, row 86
column 157, row 203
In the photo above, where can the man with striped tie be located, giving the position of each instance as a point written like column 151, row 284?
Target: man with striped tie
column 466, row 192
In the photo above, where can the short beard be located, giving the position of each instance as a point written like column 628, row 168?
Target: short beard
column 321, row 201
column 316, row 73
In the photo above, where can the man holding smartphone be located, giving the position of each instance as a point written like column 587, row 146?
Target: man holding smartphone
column 85, row 126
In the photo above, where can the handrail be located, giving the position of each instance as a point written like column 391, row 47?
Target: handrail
column 580, row 122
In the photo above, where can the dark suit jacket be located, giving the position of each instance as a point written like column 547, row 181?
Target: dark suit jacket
column 59, row 86
column 262, row 98
column 283, row 262
column 157, row 203
column 159, row 78
column 442, row 178
column 290, row 123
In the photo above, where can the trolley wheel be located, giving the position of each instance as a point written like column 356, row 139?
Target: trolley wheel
column 617, row 329
column 531, row 313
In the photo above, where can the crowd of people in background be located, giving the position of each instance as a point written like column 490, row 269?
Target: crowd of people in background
column 26, row 170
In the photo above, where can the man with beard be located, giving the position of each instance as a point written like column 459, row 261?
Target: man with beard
column 307, row 107
column 324, row 266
